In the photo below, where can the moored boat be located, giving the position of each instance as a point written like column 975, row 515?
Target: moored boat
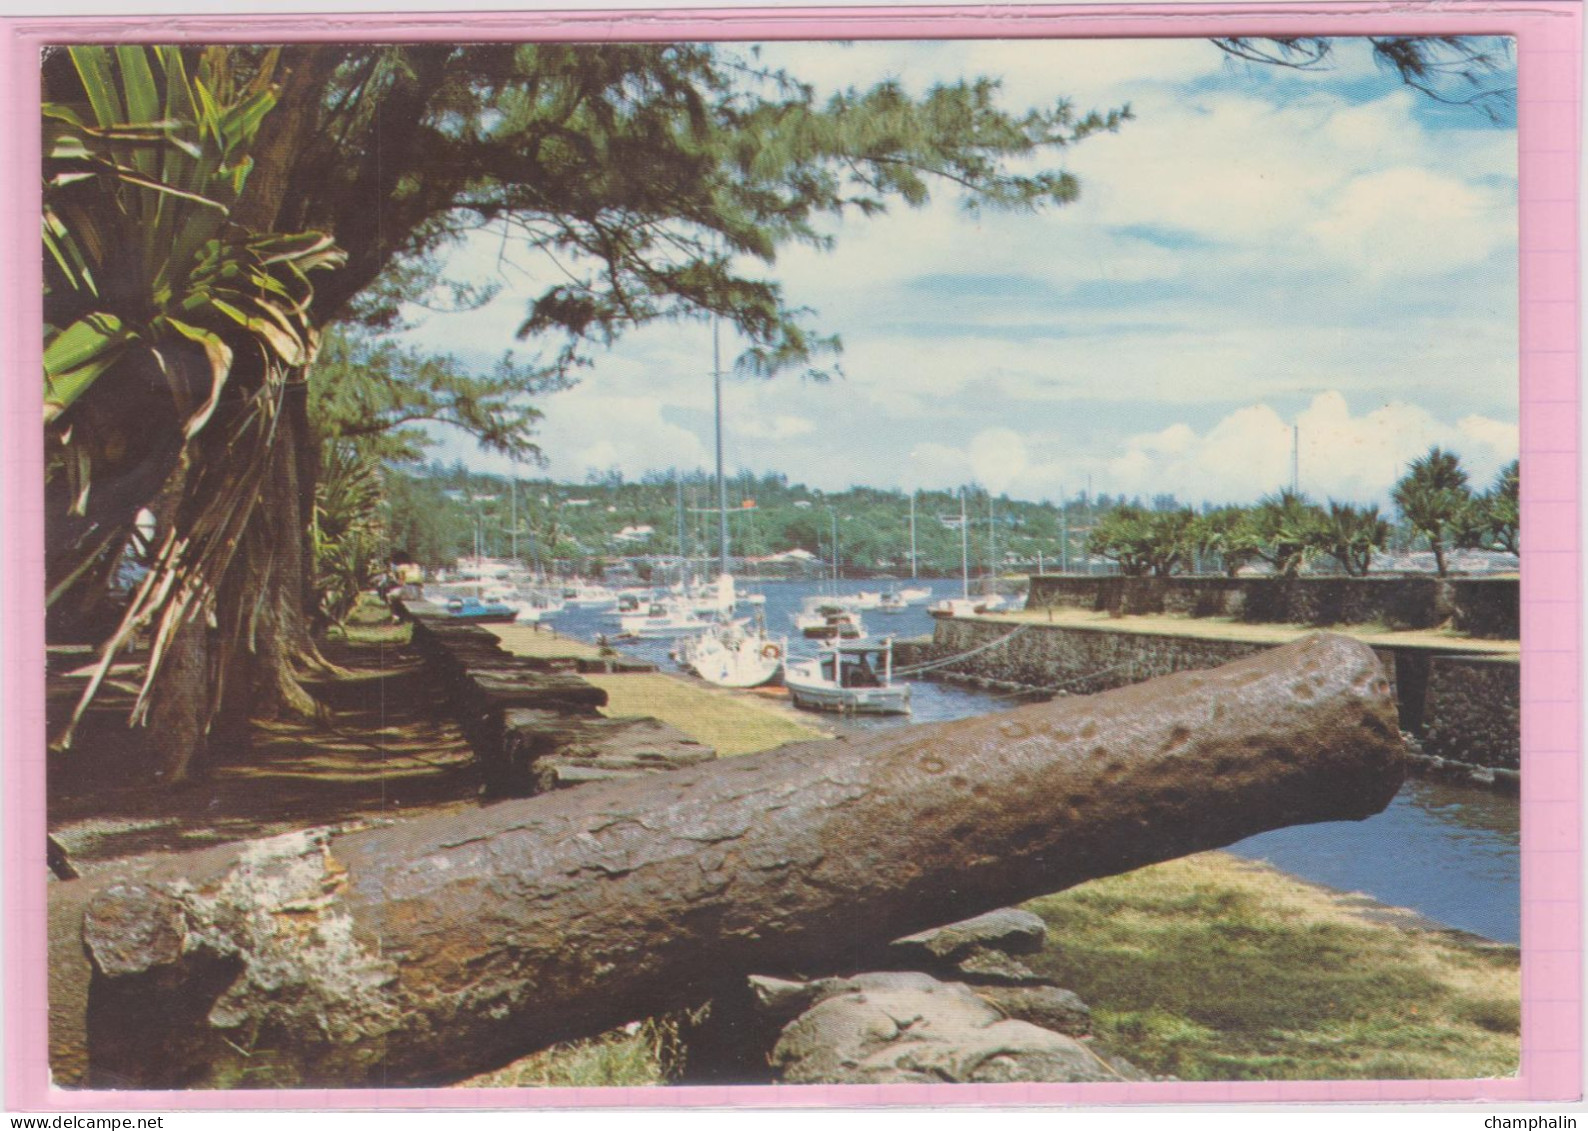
column 849, row 678
column 662, row 618
column 821, row 619
column 478, row 610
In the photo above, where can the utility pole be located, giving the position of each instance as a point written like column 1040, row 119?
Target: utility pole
column 512, row 503
column 1295, row 459
column 1064, row 532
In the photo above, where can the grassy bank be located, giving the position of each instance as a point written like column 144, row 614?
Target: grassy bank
column 1216, row 968
column 729, row 722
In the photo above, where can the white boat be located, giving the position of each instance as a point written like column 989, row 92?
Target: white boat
column 956, row 607
column 823, row 619
column 892, row 602
column 863, row 600
column 718, row 600
column 588, row 595
column 914, row 596
column 734, row 654
column 849, row 678
column 991, row 603
column 662, row 618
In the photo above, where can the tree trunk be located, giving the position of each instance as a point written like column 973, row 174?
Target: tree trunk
column 274, row 578
column 427, row 951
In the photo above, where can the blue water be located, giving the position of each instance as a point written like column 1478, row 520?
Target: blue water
column 1449, row 852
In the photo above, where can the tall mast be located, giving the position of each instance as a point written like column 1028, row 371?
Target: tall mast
column 964, row 548
column 913, row 573
column 512, row 502
column 992, row 548
column 834, row 516
column 678, row 482
column 722, row 486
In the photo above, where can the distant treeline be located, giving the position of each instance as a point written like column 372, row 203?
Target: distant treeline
column 437, row 513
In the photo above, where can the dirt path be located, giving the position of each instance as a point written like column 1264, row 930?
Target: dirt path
column 383, row 746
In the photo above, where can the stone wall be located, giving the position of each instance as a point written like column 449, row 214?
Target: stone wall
column 1473, row 711
column 1463, row 709
column 1488, row 607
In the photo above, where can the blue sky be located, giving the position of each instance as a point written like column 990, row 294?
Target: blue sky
column 1258, row 249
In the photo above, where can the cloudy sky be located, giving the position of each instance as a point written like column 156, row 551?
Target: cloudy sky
column 1258, row 249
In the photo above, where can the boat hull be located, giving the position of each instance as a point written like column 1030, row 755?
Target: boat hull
column 849, row 700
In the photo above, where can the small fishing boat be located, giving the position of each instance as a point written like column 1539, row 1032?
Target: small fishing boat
column 849, row 678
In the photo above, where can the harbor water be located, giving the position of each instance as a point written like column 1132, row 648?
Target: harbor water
column 1449, row 852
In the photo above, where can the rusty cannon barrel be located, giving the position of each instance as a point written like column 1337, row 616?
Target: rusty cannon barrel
column 432, row 949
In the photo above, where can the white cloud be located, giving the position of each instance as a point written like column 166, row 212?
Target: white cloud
column 1409, row 221
column 1234, row 245
column 594, row 431
column 998, row 456
column 1248, row 453
column 781, row 427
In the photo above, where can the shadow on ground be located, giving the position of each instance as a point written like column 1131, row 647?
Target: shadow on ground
column 381, row 746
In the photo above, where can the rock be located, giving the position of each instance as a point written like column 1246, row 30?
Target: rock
column 925, row 1032
column 1047, row 1006
column 982, row 966
column 1008, row 929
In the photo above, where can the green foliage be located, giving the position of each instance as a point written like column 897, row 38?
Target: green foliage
column 1492, row 520
column 348, row 533
column 1143, row 542
column 1352, row 536
column 171, row 332
column 1434, row 499
column 1231, row 533
column 371, row 391
column 1291, row 531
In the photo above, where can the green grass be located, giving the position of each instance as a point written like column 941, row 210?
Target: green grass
column 1211, row 968
column 729, row 722
column 613, row 1060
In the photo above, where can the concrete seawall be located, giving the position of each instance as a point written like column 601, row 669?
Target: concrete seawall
column 1463, row 710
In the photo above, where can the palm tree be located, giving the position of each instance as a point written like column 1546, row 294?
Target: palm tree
column 172, row 336
column 1433, row 497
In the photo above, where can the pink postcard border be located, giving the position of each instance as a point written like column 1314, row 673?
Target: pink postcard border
column 1548, row 34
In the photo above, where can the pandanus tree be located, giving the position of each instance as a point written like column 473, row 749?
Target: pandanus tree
column 1351, row 536
column 1290, row 531
column 1433, row 498
column 1492, row 520
column 173, row 338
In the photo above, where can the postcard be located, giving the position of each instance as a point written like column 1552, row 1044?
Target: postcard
column 917, row 556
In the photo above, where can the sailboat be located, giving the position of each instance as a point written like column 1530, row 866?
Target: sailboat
column 963, row 605
column 729, row 653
